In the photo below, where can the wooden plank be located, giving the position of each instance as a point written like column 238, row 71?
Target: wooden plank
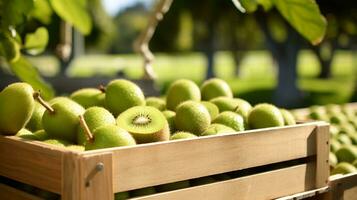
column 166, row 162
column 342, row 187
column 31, row 163
column 7, row 192
column 322, row 157
column 306, row 194
column 87, row 177
column 269, row 185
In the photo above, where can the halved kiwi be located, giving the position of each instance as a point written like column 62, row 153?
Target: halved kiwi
column 145, row 123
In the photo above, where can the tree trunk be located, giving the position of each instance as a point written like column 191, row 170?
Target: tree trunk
column 210, row 50
column 325, row 63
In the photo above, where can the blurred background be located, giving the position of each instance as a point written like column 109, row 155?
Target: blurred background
column 259, row 54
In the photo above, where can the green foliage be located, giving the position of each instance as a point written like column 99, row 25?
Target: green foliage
column 42, row 11
column 303, row 15
column 74, row 12
column 35, row 43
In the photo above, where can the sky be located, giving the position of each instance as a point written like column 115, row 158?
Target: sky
column 113, row 6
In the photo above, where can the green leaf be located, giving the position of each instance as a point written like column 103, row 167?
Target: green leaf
column 42, row 11
column 26, row 72
column 74, row 12
column 35, row 43
column 249, row 5
column 305, row 17
column 15, row 11
column 9, row 48
column 267, row 4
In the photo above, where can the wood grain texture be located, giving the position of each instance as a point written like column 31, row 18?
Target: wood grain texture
column 269, row 185
column 160, row 163
column 322, row 157
column 10, row 193
column 31, row 163
column 81, row 180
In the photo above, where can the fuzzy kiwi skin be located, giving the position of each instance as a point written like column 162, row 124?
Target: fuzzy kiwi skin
column 218, row 129
column 215, row 87
column 16, row 107
column 123, row 94
column 230, row 119
column 89, row 97
column 288, row 117
column 182, row 135
column 170, row 117
column 180, row 91
column 265, row 115
column 156, row 102
column 212, row 109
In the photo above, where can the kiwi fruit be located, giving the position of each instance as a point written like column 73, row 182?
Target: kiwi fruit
column 347, row 153
column 289, row 119
column 35, row 122
column 94, row 117
column 193, row 117
column 25, row 134
column 60, row 119
column 121, row 196
column 145, row 123
column 355, row 163
column 264, row 116
column 242, row 107
column 89, row 97
column 230, row 119
column 334, row 145
column 56, row 142
column 182, row 135
column 170, row 117
column 121, row 95
column 344, row 139
column 338, row 119
column 225, row 103
column 16, row 107
column 212, row 108
column 215, row 87
column 332, row 159
column 218, row 129
column 318, row 113
column 180, row 91
column 343, row 168
column 156, row 102
column 334, row 130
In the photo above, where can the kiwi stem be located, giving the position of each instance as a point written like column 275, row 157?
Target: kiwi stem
column 84, row 125
column 101, row 88
column 38, row 97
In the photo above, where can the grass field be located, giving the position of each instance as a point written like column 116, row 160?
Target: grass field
column 255, row 83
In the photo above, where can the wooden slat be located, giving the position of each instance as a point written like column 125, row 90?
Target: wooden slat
column 31, row 163
column 322, row 158
column 160, row 163
column 7, row 192
column 269, row 185
column 81, row 180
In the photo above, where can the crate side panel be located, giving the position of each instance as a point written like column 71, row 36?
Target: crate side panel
column 35, row 165
column 7, row 192
column 182, row 160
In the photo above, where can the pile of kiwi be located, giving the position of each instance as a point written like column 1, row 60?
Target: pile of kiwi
column 343, row 134
column 118, row 114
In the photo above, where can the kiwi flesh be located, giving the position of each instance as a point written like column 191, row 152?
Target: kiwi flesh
column 180, row 91
column 146, row 124
column 121, row 95
column 182, row 135
column 16, row 107
column 89, row 97
column 193, row 117
column 156, row 103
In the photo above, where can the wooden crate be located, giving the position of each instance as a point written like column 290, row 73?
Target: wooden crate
column 99, row 174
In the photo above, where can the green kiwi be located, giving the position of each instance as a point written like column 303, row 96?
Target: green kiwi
column 334, row 145
column 355, row 163
column 343, row 168
column 60, row 119
column 318, row 113
column 225, row 103
column 94, row 117
column 215, row 87
column 170, row 117
column 344, row 139
column 35, row 122
column 288, row 117
column 230, row 119
column 338, row 119
column 347, row 153
column 16, row 107
column 193, row 117
column 145, row 123
column 212, row 109
column 265, row 115
column 56, row 142
column 25, row 134
column 121, row 95
column 182, row 135
column 332, row 159
column 156, row 103
column 243, row 108
column 334, row 130
column 88, row 97
column 218, row 129
column 180, row 91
